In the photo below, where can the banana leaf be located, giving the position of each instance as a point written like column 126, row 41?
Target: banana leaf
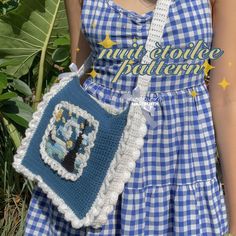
column 30, row 31
column 8, row 5
column 17, row 111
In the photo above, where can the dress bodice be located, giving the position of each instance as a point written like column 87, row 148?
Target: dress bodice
column 104, row 19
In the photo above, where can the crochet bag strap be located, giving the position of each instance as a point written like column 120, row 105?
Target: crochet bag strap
column 137, row 111
column 154, row 35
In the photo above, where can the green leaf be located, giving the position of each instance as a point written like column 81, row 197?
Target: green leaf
column 28, row 31
column 62, row 41
column 16, row 118
column 60, row 54
column 18, row 111
column 14, row 134
column 7, row 95
column 3, row 81
column 8, row 5
column 21, row 87
column 18, row 98
column 66, row 63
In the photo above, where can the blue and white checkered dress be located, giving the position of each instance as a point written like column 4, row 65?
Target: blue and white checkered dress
column 174, row 189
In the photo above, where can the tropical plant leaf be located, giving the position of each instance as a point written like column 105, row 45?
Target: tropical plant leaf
column 7, row 95
column 21, row 87
column 14, row 134
column 16, row 118
column 3, row 81
column 61, row 54
column 28, row 31
column 8, row 5
column 62, row 41
column 17, row 111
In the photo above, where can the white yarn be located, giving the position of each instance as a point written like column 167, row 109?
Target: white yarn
column 53, row 163
column 122, row 164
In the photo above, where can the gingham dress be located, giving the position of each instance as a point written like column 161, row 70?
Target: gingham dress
column 174, row 189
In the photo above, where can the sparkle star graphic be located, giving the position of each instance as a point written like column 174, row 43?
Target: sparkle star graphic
column 207, row 67
column 224, row 83
column 107, row 42
column 229, row 63
column 93, row 73
column 193, row 93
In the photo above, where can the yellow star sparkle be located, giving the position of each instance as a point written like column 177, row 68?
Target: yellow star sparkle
column 58, row 115
column 207, row 67
column 93, row 73
column 224, row 83
column 193, row 93
column 107, row 42
column 69, row 144
column 77, row 49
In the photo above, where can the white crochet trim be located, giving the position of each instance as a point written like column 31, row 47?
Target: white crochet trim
column 118, row 173
column 121, row 166
column 55, row 165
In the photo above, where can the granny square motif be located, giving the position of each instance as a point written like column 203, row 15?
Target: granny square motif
column 68, row 140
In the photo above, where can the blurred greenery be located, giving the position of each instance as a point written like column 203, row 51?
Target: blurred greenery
column 34, row 49
column 8, row 5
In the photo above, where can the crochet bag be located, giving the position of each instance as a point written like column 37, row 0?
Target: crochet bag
column 80, row 151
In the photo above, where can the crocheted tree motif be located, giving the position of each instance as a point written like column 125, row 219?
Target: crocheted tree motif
column 68, row 140
column 69, row 159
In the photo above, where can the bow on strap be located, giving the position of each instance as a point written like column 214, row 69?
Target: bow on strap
column 146, row 107
column 74, row 71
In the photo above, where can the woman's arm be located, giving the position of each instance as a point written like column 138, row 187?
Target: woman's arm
column 73, row 10
column 223, row 98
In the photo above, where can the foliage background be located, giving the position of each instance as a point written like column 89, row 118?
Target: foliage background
column 34, row 49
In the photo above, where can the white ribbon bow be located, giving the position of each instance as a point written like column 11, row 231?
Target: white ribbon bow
column 74, row 71
column 147, row 108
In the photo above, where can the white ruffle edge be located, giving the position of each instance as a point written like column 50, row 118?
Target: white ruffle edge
column 129, row 147
column 117, row 175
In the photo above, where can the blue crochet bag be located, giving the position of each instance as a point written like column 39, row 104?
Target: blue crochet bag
column 80, row 151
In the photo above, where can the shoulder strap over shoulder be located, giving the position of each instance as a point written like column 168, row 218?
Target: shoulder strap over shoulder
column 154, row 35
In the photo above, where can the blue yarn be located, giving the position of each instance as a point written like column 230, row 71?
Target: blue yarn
column 80, row 194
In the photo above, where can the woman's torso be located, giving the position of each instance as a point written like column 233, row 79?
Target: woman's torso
column 188, row 22
column 183, row 138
